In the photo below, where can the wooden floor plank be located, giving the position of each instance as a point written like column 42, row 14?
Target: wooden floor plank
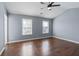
column 43, row 47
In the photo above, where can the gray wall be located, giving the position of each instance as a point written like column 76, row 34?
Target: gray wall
column 2, row 39
column 67, row 25
column 15, row 27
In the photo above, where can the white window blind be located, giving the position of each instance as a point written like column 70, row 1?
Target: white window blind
column 26, row 26
column 45, row 25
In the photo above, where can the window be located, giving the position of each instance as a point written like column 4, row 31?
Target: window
column 45, row 25
column 26, row 26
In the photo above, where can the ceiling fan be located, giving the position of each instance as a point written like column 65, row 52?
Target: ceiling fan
column 50, row 5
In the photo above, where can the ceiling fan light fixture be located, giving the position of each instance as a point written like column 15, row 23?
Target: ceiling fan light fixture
column 49, row 8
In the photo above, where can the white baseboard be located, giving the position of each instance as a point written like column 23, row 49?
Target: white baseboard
column 27, row 40
column 43, row 38
column 2, row 51
column 66, row 39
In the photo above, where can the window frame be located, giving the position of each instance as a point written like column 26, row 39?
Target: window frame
column 26, row 26
column 43, row 27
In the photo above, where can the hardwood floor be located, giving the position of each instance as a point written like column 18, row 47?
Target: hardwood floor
column 43, row 47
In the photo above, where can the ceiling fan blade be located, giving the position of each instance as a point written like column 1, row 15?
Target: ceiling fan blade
column 56, row 5
column 42, row 2
column 52, row 3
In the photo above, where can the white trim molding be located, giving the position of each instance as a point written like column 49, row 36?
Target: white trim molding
column 66, row 39
column 27, row 39
column 2, row 51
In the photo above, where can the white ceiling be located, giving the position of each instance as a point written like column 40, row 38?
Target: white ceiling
column 34, row 8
